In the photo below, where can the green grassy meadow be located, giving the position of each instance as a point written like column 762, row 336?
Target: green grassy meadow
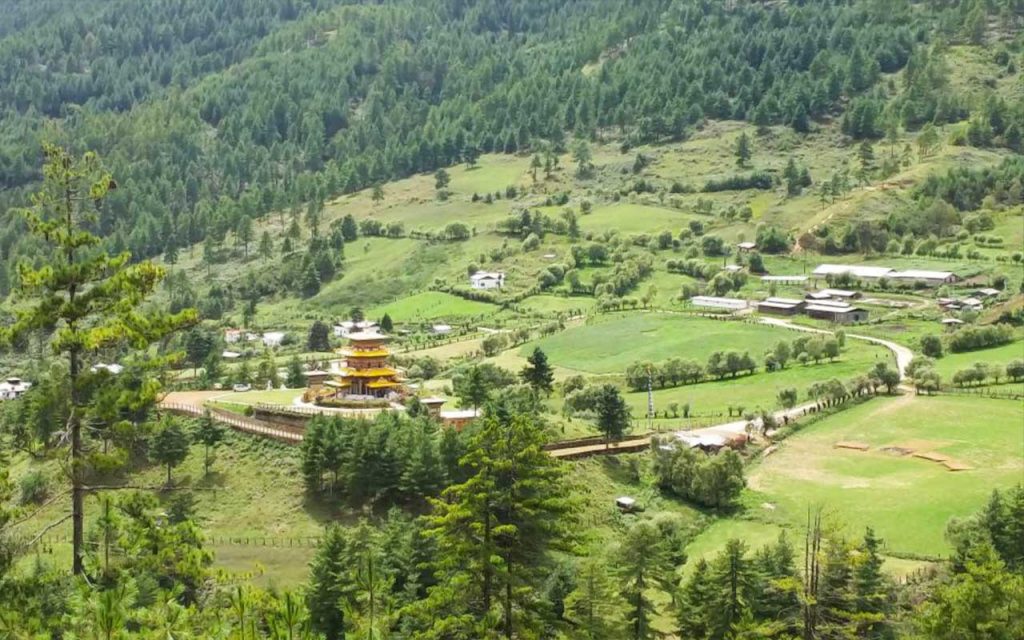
column 432, row 305
column 950, row 363
column 760, row 390
column 614, row 342
column 906, row 499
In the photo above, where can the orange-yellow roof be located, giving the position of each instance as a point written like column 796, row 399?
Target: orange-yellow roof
column 365, row 353
column 383, row 384
column 382, row 372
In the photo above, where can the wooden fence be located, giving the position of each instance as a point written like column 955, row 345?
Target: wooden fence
column 235, row 421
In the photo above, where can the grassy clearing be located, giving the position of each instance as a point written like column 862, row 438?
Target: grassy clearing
column 950, row 363
column 615, row 342
column 432, row 305
column 760, row 391
column 906, row 499
column 254, row 492
column 547, row 304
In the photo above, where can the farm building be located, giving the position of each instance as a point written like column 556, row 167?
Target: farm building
column 785, row 279
column 232, row 335
column 857, row 271
column 837, row 312
column 732, row 268
column 987, row 293
column 487, row 280
column 951, row 323
column 711, row 302
column 835, row 294
column 781, row 306
column 11, row 388
column 931, row 278
column 746, row 246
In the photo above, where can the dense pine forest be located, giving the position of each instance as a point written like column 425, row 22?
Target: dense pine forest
column 211, row 113
column 206, row 204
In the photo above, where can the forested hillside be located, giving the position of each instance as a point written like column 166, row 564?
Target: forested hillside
column 517, row 319
column 211, row 113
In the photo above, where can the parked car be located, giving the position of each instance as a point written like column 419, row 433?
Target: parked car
column 241, row 386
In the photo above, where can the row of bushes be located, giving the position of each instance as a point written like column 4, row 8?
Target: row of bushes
column 974, row 338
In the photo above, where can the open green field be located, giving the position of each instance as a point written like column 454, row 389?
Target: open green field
column 760, row 390
column 907, row 500
column 431, row 305
column 548, row 304
column 950, row 363
column 615, row 342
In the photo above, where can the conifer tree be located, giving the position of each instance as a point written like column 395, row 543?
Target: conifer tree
column 538, row 373
column 743, row 152
column 94, row 300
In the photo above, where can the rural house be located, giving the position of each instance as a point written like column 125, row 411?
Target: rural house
column 487, row 280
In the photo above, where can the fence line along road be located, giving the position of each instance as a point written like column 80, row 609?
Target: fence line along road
column 236, row 422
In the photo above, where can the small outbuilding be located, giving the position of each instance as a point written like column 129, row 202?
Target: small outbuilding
column 837, row 312
column 712, row 302
column 626, row 504
column 781, row 306
column 746, row 246
column 487, row 280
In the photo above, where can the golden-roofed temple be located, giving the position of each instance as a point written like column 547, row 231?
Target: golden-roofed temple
column 367, row 370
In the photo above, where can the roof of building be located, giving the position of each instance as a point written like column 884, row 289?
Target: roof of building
column 831, row 308
column 817, row 295
column 860, row 271
column 316, row 372
column 273, row 335
column 460, row 414
column 725, row 303
column 833, row 304
column 487, row 275
column 110, row 368
column 733, row 268
column 441, row 328
column 230, row 355
column 921, row 274
column 839, row 293
column 783, row 278
column 952, row 321
column 988, row 292
column 368, row 373
column 15, row 384
column 972, row 302
column 770, row 304
column 746, row 245
column 362, row 324
column 367, row 336
column 433, row 400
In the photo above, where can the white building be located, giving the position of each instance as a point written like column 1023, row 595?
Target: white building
column 112, row 369
column 345, row 328
column 785, row 279
column 487, row 280
column 441, row 329
column 11, row 388
column 924, row 275
column 711, row 302
column 232, row 336
column 857, row 271
column 273, row 339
